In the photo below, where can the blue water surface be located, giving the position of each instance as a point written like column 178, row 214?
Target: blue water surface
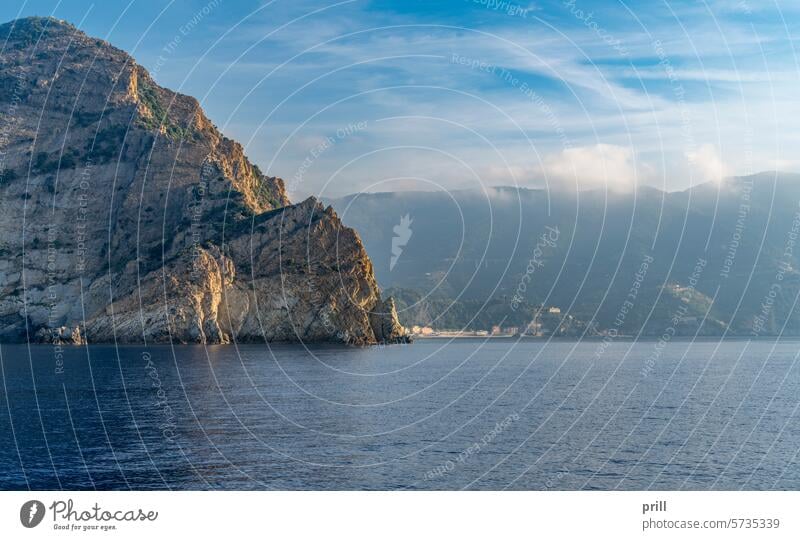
column 461, row 414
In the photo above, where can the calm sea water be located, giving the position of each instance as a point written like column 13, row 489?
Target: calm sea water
column 496, row 414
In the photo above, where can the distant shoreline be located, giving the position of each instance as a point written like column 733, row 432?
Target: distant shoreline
column 682, row 339
column 417, row 339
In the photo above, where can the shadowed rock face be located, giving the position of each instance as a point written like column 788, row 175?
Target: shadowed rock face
column 125, row 215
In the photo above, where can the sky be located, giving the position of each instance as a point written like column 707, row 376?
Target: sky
column 339, row 97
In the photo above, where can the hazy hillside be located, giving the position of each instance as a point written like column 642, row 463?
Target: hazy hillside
column 732, row 241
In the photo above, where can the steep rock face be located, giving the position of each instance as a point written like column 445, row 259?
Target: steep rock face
column 386, row 324
column 125, row 215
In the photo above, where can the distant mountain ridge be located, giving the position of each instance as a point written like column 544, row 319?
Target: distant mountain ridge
column 723, row 260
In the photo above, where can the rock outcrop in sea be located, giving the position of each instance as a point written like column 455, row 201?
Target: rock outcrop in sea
column 126, row 216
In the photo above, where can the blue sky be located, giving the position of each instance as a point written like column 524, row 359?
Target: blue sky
column 340, row 97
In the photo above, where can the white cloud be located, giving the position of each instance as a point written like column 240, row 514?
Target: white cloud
column 600, row 165
column 706, row 165
column 386, row 56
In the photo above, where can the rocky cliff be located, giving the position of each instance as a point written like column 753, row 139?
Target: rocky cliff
column 126, row 216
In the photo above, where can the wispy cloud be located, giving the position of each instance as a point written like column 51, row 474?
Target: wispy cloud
column 663, row 93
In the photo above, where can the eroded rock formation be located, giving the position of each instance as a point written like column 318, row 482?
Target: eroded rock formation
column 127, row 216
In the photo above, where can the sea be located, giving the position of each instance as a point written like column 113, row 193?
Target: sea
column 439, row 414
